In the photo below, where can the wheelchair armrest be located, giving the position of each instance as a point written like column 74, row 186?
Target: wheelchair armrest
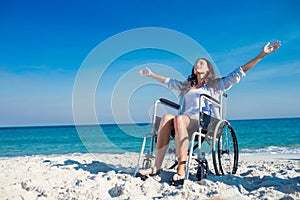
column 169, row 103
column 210, row 98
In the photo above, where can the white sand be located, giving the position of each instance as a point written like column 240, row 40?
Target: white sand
column 106, row 176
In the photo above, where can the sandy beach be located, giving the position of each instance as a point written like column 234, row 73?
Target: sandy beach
column 110, row 176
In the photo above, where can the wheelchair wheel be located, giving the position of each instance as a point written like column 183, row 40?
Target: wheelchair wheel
column 147, row 163
column 225, row 149
column 200, row 173
column 202, row 170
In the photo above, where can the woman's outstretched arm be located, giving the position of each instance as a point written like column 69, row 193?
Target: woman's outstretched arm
column 148, row 72
column 268, row 48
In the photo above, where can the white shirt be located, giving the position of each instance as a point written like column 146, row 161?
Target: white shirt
column 189, row 98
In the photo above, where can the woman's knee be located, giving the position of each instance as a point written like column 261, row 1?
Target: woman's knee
column 166, row 124
column 180, row 122
column 167, row 120
column 168, row 117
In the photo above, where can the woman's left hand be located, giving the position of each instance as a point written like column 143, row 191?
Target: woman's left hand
column 269, row 48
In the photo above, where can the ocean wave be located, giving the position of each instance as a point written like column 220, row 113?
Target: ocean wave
column 271, row 150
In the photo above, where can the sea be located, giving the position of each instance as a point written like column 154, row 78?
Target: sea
column 259, row 136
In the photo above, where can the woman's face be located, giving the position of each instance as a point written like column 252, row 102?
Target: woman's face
column 201, row 67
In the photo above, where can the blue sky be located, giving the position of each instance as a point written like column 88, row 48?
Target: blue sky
column 44, row 43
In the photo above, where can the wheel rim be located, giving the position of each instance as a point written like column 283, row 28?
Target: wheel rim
column 227, row 150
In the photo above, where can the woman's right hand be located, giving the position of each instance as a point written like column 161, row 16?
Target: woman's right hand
column 148, row 72
column 145, row 72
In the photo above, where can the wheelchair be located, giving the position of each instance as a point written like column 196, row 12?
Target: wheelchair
column 215, row 131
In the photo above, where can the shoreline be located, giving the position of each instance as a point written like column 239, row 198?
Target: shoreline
column 110, row 176
column 243, row 155
column 271, row 157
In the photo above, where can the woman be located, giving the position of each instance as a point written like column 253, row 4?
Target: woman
column 201, row 81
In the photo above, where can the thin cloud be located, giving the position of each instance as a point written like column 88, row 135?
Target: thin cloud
column 228, row 60
column 275, row 70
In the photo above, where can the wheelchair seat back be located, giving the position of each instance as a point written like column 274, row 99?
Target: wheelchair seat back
column 208, row 123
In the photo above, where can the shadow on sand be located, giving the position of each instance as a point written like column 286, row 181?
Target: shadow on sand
column 95, row 167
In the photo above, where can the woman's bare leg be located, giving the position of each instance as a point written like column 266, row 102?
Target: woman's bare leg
column 181, row 124
column 163, row 138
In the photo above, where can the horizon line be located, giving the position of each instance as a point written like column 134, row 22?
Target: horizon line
column 125, row 123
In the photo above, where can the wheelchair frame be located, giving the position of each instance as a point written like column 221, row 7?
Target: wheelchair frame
column 222, row 134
